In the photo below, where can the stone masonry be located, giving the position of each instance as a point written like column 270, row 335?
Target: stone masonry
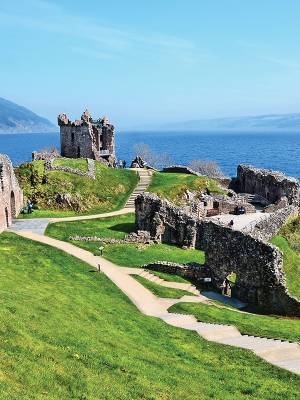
column 257, row 264
column 87, row 138
column 11, row 195
column 271, row 185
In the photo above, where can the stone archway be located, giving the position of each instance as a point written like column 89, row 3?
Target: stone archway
column 6, row 217
column 12, row 205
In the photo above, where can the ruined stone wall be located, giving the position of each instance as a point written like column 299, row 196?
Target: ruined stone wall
column 258, row 265
column 87, row 138
column 11, row 195
column 269, row 184
column 268, row 227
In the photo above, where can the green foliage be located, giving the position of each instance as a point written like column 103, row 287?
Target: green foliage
column 162, row 291
column 69, row 333
column 109, row 191
column 250, row 324
column 291, row 265
column 291, row 231
column 172, row 186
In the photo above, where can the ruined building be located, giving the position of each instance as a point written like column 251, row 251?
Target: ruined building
column 271, row 185
column 87, row 138
column 11, row 195
column 258, row 265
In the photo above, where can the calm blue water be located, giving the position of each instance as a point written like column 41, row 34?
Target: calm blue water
column 276, row 151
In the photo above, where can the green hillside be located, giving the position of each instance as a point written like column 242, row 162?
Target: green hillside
column 69, row 333
column 108, row 192
column 172, row 186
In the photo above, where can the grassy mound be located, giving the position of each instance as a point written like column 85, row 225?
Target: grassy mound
column 109, row 191
column 76, row 163
column 68, row 333
column 127, row 255
column 251, row 324
column 162, row 291
column 172, row 186
column 291, row 265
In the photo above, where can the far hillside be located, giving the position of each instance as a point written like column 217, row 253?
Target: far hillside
column 59, row 193
column 173, row 186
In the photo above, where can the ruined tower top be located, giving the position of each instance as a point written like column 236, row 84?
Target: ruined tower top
column 86, row 137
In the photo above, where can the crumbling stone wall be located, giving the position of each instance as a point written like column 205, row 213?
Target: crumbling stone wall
column 269, row 184
column 257, row 264
column 87, row 138
column 11, row 195
column 90, row 173
column 268, row 227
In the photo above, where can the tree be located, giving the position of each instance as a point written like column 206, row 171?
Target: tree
column 207, row 167
column 153, row 159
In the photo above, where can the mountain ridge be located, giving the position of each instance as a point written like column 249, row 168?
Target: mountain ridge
column 278, row 122
column 18, row 119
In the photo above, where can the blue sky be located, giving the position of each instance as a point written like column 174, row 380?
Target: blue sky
column 144, row 63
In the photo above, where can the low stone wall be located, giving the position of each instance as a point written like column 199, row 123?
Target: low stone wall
column 181, row 169
column 141, row 237
column 257, row 264
column 268, row 227
column 90, row 173
column 192, row 271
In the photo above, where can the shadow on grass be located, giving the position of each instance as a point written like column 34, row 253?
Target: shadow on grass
column 126, row 227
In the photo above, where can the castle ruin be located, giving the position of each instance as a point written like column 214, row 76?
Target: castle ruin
column 11, row 195
column 87, row 138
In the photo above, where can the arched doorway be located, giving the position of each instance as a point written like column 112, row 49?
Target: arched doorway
column 12, row 205
column 229, row 284
column 6, row 217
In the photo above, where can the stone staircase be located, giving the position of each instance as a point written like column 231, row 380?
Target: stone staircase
column 281, row 353
column 145, row 179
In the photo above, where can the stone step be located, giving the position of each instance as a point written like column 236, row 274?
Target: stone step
column 282, row 354
column 256, row 343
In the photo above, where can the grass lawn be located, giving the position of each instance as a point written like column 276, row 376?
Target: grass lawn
column 161, row 291
column 169, row 277
column 291, row 265
column 251, row 324
column 108, row 192
column 127, row 255
column 69, row 333
column 172, row 186
column 76, row 163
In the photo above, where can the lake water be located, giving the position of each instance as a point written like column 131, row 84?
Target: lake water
column 279, row 151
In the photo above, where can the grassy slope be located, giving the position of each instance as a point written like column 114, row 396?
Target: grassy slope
column 67, row 333
column 77, row 163
column 127, row 255
column 291, row 264
column 172, row 186
column 251, row 324
column 162, row 291
column 108, row 192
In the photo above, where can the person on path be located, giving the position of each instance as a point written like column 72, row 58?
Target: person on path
column 29, row 207
column 121, row 164
column 124, row 164
column 231, row 223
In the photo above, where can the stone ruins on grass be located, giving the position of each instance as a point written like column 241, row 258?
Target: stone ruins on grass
column 258, row 265
column 11, row 195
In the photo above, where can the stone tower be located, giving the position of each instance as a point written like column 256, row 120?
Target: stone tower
column 87, row 138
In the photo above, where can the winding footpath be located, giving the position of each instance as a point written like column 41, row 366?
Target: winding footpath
column 280, row 353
